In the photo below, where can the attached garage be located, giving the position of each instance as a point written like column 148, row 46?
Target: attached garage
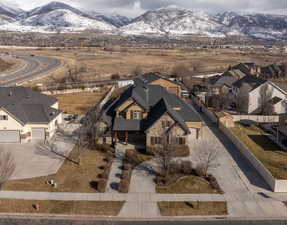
column 10, row 136
column 38, row 134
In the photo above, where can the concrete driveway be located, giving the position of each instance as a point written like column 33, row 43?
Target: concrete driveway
column 36, row 160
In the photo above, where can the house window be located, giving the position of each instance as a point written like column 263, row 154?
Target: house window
column 123, row 115
column 166, row 123
column 136, row 115
column 180, row 140
column 3, row 117
column 156, row 140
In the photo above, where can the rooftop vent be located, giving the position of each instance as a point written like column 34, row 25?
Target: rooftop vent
column 10, row 93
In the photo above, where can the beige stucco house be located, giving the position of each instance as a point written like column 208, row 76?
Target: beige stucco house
column 27, row 115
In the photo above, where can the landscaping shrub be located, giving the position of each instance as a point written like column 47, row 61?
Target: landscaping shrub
column 160, row 180
column 101, row 186
column 214, row 184
column 182, row 151
column 199, row 171
column 104, row 148
column 126, row 174
column 186, row 167
column 94, row 185
column 127, row 166
column 124, row 186
column 175, row 167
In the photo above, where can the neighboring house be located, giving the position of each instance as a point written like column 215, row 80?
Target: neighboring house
column 27, row 115
column 223, row 83
column 273, row 71
column 248, row 68
column 124, row 83
column 144, row 111
column 274, row 94
column 171, row 85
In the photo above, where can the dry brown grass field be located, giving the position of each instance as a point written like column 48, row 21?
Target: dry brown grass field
column 5, row 65
column 96, row 63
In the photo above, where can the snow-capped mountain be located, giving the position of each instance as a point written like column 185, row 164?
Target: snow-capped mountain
column 255, row 25
column 114, row 19
column 9, row 11
column 5, row 20
column 171, row 20
column 64, row 18
column 53, row 6
column 57, row 16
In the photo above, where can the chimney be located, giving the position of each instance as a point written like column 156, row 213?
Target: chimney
column 10, row 93
column 146, row 94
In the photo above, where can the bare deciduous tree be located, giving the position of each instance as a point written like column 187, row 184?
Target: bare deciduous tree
column 181, row 70
column 50, row 149
column 206, row 154
column 7, row 167
column 265, row 95
column 242, row 98
column 137, row 71
column 92, row 130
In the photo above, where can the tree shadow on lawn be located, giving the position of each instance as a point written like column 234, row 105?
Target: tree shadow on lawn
column 266, row 144
column 245, row 166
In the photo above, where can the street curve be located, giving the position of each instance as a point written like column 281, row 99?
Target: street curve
column 35, row 66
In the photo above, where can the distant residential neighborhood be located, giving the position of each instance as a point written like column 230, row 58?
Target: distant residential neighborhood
column 203, row 149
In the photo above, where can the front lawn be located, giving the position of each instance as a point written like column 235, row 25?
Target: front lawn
column 70, row 177
column 193, row 208
column 188, row 185
column 273, row 157
column 99, row 208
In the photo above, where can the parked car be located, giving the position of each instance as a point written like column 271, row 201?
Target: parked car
column 69, row 118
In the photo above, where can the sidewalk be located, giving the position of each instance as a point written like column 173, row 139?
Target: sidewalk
column 116, row 171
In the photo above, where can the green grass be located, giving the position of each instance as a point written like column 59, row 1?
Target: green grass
column 272, row 156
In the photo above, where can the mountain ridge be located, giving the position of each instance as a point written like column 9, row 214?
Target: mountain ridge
column 171, row 20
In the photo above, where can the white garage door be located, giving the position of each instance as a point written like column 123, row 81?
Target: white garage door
column 38, row 134
column 9, row 136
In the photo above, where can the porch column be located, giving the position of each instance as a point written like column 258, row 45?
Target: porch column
column 126, row 137
column 115, row 137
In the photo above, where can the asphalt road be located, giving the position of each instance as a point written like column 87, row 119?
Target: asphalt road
column 35, row 221
column 35, row 66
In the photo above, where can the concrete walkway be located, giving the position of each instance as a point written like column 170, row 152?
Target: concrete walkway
column 116, row 169
column 142, row 187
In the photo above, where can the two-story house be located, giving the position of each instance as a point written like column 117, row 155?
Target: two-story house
column 258, row 90
column 171, row 85
column 143, row 112
column 27, row 115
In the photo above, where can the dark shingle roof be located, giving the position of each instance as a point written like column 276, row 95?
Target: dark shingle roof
column 27, row 105
column 225, row 79
column 253, row 81
column 155, row 100
column 150, row 77
column 121, row 124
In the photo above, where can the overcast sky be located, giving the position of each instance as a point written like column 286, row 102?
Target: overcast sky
column 136, row 7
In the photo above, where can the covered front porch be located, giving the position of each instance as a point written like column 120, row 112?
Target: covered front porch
column 136, row 138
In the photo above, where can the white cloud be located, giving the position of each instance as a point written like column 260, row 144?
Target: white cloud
column 135, row 7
